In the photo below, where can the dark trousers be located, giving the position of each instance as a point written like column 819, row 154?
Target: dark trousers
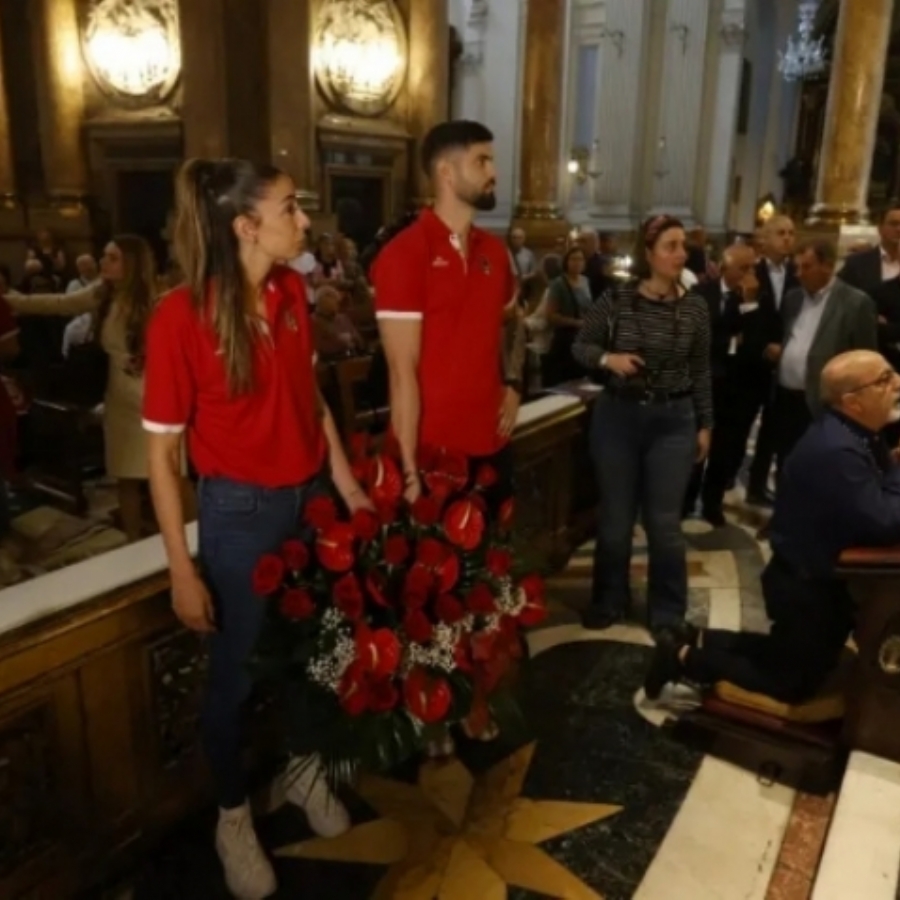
column 737, row 399
column 238, row 523
column 811, row 620
column 764, row 453
column 643, row 455
column 792, row 418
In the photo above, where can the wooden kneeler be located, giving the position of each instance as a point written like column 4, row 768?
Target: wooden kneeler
column 793, row 744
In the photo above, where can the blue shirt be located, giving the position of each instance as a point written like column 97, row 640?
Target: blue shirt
column 839, row 489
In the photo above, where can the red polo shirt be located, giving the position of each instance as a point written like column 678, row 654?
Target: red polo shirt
column 271, row 436
column 422, row 275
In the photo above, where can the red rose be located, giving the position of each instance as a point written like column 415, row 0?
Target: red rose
column 507, row 514
column 428, row 698
column 268, row 575
column 384, row 480
column 353, row 691
column 448, row 573
column 498, row 562
column 296, row 603
column 334, row 547
column 485, row 477
column 348, row 597
column 386, row 510
column 417, row 627
column 295, row 555
column 320, row 512
column 449, row 609
column 383, row 696
column 430, row 552
column 418, row 580
column 464, row 524
column 480, row 600
column 378, row 651
column 365, row 524
column 426, row 511
column 535, row 610
column 396, row 550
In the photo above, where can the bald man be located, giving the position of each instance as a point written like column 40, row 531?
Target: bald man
column 840, row 489
column 740, row 377
column 777, row 276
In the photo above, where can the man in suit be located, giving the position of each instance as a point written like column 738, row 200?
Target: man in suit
column 777, row 276
column 822, row 318
column 739, row 376
column 841, row 488
column 868, row 269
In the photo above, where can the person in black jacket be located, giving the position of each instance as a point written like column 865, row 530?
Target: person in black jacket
column 867, row 270
column 840, row 489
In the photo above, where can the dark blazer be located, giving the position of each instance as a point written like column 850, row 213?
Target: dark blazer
column 771, row 321
column 887, row 303
column 863, row 270
column 724, row 324
column 839, row 489
column 849, row 322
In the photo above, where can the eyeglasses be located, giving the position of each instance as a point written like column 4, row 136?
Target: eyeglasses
column 883, row 380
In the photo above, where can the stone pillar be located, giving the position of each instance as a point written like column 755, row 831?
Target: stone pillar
column 292, row 123
column 60, row 76
column 204, row 105
column 428, row 78
column 851, row 117
column 542, row 103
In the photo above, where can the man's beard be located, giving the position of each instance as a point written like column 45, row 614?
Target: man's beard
column 485, row 202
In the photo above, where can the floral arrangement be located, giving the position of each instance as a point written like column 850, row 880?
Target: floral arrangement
column 385, row 627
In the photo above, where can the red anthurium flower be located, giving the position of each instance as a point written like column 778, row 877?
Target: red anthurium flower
column 386, row 511
column 295, row 555
column 417, row 626
column 483, row 643
column 375, row 585
column 385, row 481
column 353, row 691
column 535, row 610
column 427, row 697
column 348, row 597
column 464, row 524
column 462, row 657
column 448, row 573
column 320, row 512
column 378, row 651
column 365, row 524
column 431, row 552
column 426, row 510
column 396, row 550
column 498, row 562
column 296, row 603
column 481, row 600
column 419, row 580
column 383, row 696
column 485, row 477
column 507, row 514
column 334, row 547
column 449, row 609
column 268, row 574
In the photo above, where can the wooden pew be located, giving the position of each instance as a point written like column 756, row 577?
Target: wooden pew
column 872, row 722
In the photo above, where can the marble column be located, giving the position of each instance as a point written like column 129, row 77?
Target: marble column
column 427, row 78
column 851, row 116
column 542, row 103
column 204, row 107
column 292, row 124
column 60, row 75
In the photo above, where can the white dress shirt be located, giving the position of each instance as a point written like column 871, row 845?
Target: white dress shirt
column 794, row 358
column 890, row 268
column 777, row 275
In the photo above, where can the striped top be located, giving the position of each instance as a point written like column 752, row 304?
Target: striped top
column 672, row 337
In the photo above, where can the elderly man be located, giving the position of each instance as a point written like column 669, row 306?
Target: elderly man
column 840, row 489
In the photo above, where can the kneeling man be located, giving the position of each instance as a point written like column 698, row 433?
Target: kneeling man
column 841, row 489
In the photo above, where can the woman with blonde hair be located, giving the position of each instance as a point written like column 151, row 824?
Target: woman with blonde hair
column 120, row 304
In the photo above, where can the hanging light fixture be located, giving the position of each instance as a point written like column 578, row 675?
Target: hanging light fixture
column 805, row 56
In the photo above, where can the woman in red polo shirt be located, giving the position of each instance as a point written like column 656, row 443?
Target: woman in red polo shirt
column 230, row 362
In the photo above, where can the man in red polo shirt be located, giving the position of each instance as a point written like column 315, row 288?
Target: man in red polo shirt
column 444, row 296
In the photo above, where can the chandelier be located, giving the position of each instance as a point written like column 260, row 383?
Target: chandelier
column 805, row 55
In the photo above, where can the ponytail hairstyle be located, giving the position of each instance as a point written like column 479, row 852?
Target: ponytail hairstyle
column 137, row 291
column 209, row 196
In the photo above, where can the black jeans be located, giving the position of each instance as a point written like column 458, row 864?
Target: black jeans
column 644, row 455
column 811, row 620
column 238, row 523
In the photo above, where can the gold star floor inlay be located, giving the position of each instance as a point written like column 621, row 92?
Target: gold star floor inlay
column 455, row 836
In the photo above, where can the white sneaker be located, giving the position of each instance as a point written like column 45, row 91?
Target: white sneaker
column 308, row 789
column 248, row 872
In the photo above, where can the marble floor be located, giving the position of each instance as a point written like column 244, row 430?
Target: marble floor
column 637, row 815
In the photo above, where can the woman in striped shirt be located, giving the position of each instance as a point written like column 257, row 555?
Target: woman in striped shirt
column 650, row 339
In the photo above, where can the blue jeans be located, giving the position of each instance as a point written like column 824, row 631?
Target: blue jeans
column 238, row 523
column 644, row 456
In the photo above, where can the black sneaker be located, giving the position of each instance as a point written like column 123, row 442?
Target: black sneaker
column 665, row 667
column 715, row 517
column 594, row 618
